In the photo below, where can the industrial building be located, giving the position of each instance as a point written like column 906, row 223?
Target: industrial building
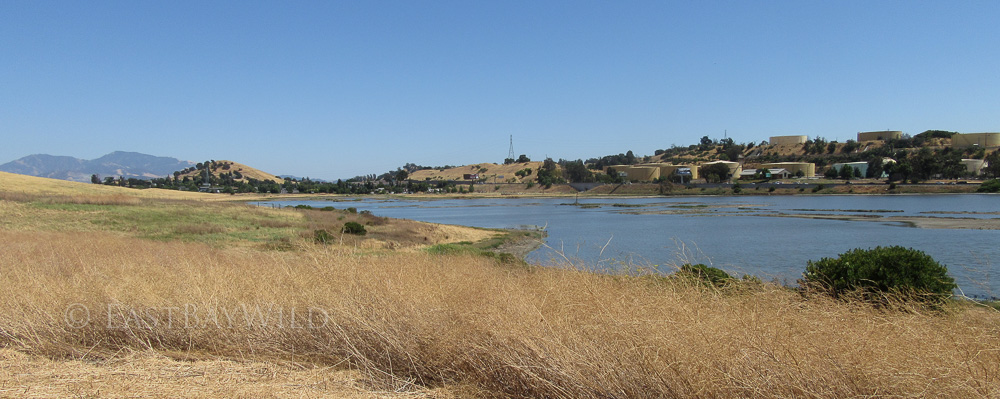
column 788, row 140
column 653, row 171
column 974, row 166
column 808, row 169
column 963, row 140
column 880, row 136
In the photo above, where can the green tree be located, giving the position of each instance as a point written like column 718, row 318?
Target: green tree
column 95, row 179
column 576, row 172
column 993, row 165
column 847, row 172
column 831, row 173
column 873, row 273
column 714, row 173
column 523, row 159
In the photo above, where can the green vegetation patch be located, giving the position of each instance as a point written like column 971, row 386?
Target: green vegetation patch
column 881, row 273
column 199, row 222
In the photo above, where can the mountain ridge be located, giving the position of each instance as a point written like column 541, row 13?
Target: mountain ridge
column 127, row 164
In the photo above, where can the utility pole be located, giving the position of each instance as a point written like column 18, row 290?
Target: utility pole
column 510, row 153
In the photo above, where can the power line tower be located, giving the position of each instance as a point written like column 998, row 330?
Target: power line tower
column 510, row 153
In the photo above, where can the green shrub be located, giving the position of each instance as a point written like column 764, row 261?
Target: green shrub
column 706, row 274
column 354, row 228
column 352, row 210
column 322, row 237
column 873, row 273
column 989, row 186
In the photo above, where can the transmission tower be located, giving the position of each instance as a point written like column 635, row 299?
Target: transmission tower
column 510, row 153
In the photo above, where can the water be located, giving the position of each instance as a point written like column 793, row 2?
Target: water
column 737, row 234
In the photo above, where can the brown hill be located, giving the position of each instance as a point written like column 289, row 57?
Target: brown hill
column 244, row 172
column 490, row 171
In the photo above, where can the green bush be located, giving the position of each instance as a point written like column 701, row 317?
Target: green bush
column 709, row 275
column 873, row 273
column 352, row 210
column 322, row 236
column 989, row 186
column 354, row 228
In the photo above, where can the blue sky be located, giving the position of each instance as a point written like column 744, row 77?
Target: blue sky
column 338, row 89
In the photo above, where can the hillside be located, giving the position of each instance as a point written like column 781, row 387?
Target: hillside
column 118, row 163
column 490, row 171
column 239, row 171
column 13, row 185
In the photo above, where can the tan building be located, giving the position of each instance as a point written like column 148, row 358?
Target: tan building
column 667, row 169
column 974, row 166
column 807, row 169
column 880, row 136
column 788, row 140
column 963, row 140
column 653, row 171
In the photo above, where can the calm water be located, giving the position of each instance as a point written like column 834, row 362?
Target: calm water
column 737, row 234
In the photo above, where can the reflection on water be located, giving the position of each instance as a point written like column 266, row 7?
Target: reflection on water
column 731, row 233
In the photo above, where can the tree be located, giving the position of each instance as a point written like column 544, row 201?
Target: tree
column 402, row 175
column 576, row 172
column 548, row 174
column 847, row 172
column 875, row 168
column 95, row 179
column 523, row 159
column 831, row 173
column 875, row 272
column 993, row 164
column 629, row 158
column 714, row 173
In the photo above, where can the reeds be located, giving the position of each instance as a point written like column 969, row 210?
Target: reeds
column 414, row 319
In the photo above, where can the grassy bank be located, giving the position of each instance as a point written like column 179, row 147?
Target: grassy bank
column 113, row 288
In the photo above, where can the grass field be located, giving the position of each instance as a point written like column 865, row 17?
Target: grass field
column 164, row 297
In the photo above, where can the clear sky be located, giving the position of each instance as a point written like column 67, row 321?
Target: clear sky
column 334, row 89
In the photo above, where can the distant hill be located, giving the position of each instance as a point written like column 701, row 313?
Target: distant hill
column 118, row 163
column 239, row 171
column 490, row 171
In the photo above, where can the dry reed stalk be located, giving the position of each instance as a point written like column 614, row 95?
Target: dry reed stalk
column 413, row 319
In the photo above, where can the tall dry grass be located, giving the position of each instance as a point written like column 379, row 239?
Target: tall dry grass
column 418, row 319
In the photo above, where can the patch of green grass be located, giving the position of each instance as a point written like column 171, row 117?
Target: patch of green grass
column 181, row 221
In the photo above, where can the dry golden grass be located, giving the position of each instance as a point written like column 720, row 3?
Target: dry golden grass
column 88, row 308
column 135, row 374
column 408, row 321
column 13, row 185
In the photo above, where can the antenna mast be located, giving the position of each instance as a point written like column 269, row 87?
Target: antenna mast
column 510, row 153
